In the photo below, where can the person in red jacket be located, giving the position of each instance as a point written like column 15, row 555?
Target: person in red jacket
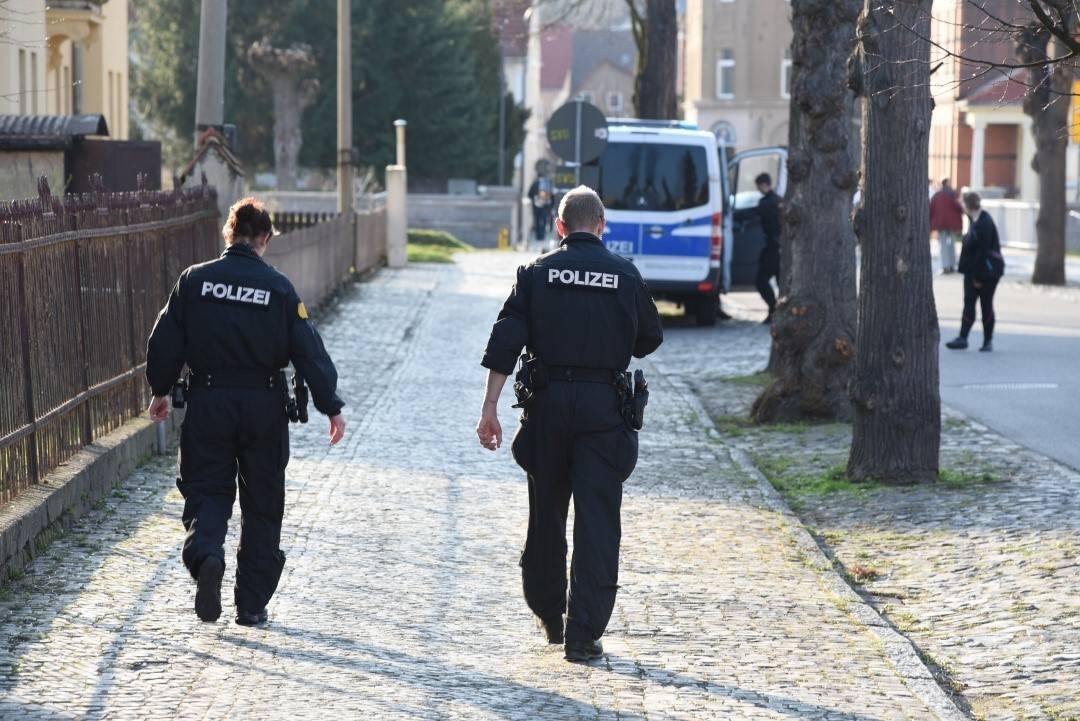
column 947, row 218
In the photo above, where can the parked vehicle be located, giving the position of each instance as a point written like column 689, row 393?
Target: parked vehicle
column 671, row 199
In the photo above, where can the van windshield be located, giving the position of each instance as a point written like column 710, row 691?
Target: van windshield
column 653, row 176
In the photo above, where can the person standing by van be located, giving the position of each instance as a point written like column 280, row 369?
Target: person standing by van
column 947, row 220
column 982, row 264
column 769, row 261
column 542, row 195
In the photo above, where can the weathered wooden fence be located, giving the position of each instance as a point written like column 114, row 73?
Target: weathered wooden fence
column 318, row 259
column 287, row 221
column 81, row 281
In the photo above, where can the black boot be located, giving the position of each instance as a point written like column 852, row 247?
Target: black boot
column 583, row 651
column 987, row 346
column 552, row 629
column 957, row 343
column 251, row 618
column 208, row 592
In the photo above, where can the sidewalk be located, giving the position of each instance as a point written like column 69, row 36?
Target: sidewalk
column 401, row 596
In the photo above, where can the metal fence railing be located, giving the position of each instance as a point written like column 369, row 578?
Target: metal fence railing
column 81, row 281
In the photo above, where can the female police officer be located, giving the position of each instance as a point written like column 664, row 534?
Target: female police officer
column 236, row 322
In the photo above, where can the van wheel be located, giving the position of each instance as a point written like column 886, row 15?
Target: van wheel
column 706, row 311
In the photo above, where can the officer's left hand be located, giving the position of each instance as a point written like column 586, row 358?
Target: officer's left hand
column 159, row 409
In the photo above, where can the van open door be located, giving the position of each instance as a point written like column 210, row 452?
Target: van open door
column 746, row 234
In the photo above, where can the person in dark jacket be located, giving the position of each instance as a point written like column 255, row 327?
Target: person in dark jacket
column 769, row 260
column 236, row 322
column 542, row 195
column 581, row 312
column 982, row 264
column 947, row 220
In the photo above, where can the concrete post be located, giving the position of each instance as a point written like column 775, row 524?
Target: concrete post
column 397, row 224
column 399, row 127
column 978, row 153
column 210, row 93
column 344, row 107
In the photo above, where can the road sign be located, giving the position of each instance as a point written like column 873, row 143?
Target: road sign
column 577, row 132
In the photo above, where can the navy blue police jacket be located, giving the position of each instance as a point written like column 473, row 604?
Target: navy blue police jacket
column 238, row 313
column 579, row 305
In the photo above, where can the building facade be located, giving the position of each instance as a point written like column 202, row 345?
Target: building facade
column 67, row 57
column 737, row 70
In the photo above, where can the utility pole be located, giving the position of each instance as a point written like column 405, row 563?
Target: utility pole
column 344, row 120
column 210, row 93
column 502, row 119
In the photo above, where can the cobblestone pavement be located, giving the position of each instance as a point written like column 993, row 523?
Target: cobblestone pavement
column 401, row 594
column 982, row 573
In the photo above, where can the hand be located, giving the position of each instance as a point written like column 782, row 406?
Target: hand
column 337, row 429
column 488, row 429
column 159, row 409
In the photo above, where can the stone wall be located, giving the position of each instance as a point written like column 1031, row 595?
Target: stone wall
column 20, row 170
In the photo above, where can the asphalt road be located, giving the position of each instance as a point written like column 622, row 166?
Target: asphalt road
column 1028, row 389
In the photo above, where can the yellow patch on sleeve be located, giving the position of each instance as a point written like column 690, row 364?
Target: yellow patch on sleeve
column 301, row 310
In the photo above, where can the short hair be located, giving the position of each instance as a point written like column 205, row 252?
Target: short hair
column 581, row 209
column 972, row 201
column 763, row 179
column 248, row 219
column 944, row 182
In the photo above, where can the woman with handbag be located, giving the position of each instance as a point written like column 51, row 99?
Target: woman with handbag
column 982, row 264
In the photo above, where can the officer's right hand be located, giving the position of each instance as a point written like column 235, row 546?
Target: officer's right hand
column 488, row 430
column 337, row 429
column 159, row 409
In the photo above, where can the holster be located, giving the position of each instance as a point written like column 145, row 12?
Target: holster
column 530, row 378
column 633, row 397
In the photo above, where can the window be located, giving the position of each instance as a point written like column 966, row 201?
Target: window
column 653, row 176
column 785, row 74
column 33, row 83
column 725, row 74
column 22, row 82
column 615, row 102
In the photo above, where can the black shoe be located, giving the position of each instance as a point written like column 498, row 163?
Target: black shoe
column 251, row 618
column 768, row 318
column 552, row 629
column 957, row 343
column 208, row 593
column 583, row 651
column 987, row 346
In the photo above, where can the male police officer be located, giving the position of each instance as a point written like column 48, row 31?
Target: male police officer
column 236, row 322
column 769, row 260
column 581, row 312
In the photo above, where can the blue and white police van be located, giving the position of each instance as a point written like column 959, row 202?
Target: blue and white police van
column 671, row 196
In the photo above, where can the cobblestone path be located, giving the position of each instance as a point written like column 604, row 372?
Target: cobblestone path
column 401, row 594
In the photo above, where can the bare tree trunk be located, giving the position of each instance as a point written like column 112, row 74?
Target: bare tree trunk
column 657, row 38
column 286, row 70
column 897, row 430
column 814, row 327
column 1048, row 106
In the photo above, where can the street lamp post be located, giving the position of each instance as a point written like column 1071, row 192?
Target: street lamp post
column 344, row 104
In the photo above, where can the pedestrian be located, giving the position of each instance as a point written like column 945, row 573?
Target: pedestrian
column 580, row 312
column 541, row 194
column 235, row 323
column 769, row 260
column 947, row 220
column 983, row 265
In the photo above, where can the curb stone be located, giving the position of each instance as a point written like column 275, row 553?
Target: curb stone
column 898, row 649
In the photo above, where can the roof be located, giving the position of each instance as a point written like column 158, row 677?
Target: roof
column 1006, row 88
column 211, row 139
column 48, row 132
column 512, row 27
column 593, row 48
column 556, row 47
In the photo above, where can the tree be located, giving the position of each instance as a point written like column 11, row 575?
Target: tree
column 656, row 34
column 814, row 328
column 1047, row 104
column 897, row 428
column 288, row 71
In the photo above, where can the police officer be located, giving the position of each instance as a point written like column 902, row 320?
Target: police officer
column 581, row 312
column 236, row 322
column 769, row 260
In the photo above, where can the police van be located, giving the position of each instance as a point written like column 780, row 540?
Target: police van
column 670, row 194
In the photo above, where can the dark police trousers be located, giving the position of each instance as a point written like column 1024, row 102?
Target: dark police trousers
column 574, row 442
column 230, row 437
column 768, row 268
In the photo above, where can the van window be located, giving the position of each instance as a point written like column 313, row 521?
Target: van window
column 653, row 176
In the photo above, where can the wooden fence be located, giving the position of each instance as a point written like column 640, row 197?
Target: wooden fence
column 81, row 281
column 288, row 221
